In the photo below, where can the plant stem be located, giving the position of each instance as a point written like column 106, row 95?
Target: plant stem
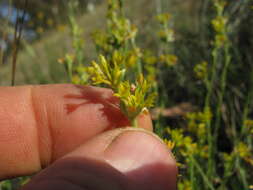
column 17, row 38
column 213, row 75
column 5, row 32
column 202, row 173
column 134, row 122
column 246, row 110
column 210, row 84
column 203, row 22
column 192, row 173
column 139, row 64
column 221, row 94
column 241, row 173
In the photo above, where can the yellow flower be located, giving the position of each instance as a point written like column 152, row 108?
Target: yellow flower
column 185, row 185
column 169, row 144
column 50, row 22
column 167, row 35
column 61, row 60
column 242, row 150
column 61, row 28
column 135, row 102
column 169, row 59
column 219, row 24
column 76, row 79
column 105, row 73
column 201, row 70
column 163, row 18
column 39, row 30
column 249, row 124
column 40, row 15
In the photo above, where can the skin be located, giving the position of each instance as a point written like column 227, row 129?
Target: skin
column 73, row 138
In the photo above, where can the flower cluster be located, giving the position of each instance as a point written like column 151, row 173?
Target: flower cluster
column 201, row 70
column 134, row 98
column 119, row 33
column 166, row 34
column 219, row 24
column 105, row 73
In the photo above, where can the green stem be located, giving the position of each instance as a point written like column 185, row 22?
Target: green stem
column 135, row 123
column 202, row 173
column 241, row 173
column 213, row 75
column 192, row 173
column 139, row 64
column 246, row 110
column 221, row 94
column 210, row 84
column 70, row 70
column 203, row 22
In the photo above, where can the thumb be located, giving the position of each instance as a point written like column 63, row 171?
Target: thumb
column 128, row 159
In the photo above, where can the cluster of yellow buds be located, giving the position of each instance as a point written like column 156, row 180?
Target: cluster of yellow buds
column 243, row 151
column 119, row 33
column 168, row 59
column 201, row 70
column 166, row 34
column 220, row 23
column 134, row 98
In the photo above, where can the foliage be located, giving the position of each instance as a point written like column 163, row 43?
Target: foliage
column 211, row 67
column 196, row 144
column 119, row 60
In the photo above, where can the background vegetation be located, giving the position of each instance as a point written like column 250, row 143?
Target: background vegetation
column 196, row 54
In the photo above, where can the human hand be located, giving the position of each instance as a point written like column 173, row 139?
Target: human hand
column 71, row 132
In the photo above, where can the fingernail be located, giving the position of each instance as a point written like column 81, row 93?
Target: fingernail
column 133, row 149
column 142, row 158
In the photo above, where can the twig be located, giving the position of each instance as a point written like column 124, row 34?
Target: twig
column 16, row 43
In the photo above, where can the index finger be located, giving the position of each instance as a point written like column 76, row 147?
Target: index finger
column 39, row 124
